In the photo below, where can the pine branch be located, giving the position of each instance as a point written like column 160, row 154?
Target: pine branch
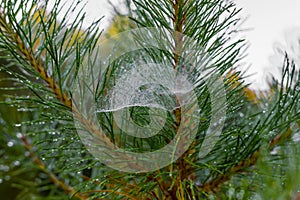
column 214, row 185
column 68, row 189
column 34, row 61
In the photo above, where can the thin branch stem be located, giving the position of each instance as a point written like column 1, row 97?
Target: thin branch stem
column 68, row 189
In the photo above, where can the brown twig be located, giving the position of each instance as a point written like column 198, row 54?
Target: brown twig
column 68, row 189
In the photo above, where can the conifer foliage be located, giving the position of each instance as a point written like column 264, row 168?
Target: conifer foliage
column 44, row 56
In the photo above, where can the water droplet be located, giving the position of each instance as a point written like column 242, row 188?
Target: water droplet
column 4, row 168
column 1, row 181
column 10, row 144
column 25, row 110
column 296, row 137
column 231, row 192
column 2, row 122
column 19, row 135
column 18, row 125
column 281, row 103
column 17, row 163
column 275, row 151
column 52, row 133
column 240, row 194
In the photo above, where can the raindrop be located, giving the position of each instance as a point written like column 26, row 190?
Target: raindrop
column 1, row 181
column 2, row 122
column 4, row 168
column 10, row 144
column 17, row 163
column 256, row 197
column 296, row 137
column 241, row 114
column 281, row 103
column 19, row 135
column 24, row 110
column 211, row 197
column 7, row 178
column 231, row 192
column 18, row 125
column 241, row 194
column 275, row 151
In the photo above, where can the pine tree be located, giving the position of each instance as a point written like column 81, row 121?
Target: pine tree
column 74, row 95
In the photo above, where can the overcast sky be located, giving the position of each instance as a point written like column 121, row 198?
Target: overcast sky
column 268, row 20
column 272, row 21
